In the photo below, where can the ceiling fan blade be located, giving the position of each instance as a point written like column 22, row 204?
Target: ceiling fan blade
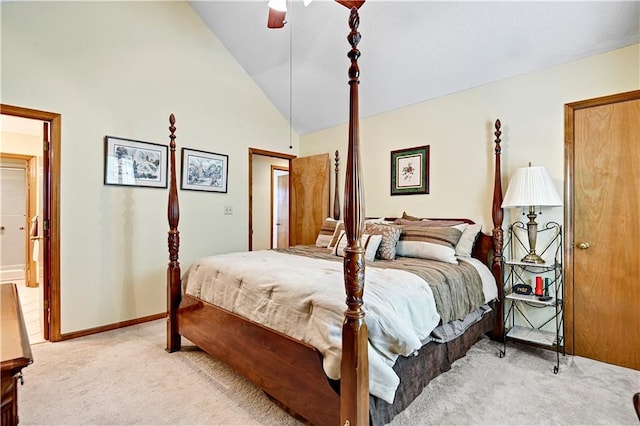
column 351, row 3
column 276, row 18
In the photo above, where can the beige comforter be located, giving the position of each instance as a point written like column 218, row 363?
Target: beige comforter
column 304, row 297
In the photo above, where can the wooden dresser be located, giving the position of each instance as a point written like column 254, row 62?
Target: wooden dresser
column 15, row 351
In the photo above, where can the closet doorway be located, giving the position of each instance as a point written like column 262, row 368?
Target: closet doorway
column 47, row 233
column 264, row 197
column 308, row 196
column 602, row 150
column 20, row 257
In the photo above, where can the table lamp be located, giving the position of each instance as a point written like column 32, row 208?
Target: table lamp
column 531, row 187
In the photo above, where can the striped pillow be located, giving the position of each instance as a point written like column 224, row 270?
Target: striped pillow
column 370, row 243
column 437, row 243
column 326, row 232
column 429, row 222
column 336, row 235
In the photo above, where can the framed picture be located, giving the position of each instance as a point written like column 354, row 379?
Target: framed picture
column 204, row 171
column 410, row 171
column 129, row 162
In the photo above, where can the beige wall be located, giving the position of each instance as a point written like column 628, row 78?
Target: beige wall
column 120, row 69
column 459, row 130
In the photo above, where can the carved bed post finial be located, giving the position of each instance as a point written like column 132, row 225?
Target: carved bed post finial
column 336, row 197
column 173, row 270
column 354, row 382
column 498, row 234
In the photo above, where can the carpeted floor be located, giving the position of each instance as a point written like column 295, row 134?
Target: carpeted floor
column 125, row 377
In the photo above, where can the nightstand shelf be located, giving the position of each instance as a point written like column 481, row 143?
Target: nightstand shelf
column 532, row 335
column 528, row 319
column 532, row 299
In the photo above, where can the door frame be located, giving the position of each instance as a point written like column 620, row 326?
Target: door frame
column 51, row 214
column 569, row 199
column 265, row 153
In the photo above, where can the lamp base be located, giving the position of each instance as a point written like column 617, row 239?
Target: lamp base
column 532, row 258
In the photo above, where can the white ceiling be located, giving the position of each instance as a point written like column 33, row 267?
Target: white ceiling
column 412, row 51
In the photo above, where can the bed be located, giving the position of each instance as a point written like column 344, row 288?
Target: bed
column 332, row 386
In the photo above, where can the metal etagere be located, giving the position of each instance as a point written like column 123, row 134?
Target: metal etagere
column 531, row 318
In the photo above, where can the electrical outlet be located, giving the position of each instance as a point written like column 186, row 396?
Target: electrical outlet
column 228, row 210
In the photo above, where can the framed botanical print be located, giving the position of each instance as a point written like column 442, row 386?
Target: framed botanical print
column 410, row 171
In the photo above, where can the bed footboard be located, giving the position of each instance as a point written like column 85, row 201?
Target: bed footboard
column 281, row 366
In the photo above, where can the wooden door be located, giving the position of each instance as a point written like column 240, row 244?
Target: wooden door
column 309, row 197
column 603, row 218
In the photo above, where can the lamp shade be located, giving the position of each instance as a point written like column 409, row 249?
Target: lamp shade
column 531, row 186
column 279, row 5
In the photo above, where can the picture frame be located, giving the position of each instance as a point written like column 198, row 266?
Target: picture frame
column 410, row 171
column 129, row 162
column 204, row 171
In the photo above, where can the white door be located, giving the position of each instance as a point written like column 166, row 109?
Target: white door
column 13, row 221
column 280, row 183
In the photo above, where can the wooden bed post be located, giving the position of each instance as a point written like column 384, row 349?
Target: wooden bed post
column 354, row 382
column 173, row 270
column 497, row 215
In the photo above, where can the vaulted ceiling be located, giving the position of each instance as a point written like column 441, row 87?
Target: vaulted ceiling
column 412, row 51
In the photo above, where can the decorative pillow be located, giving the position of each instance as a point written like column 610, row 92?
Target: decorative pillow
column 467, row 240
column 326, row 232
column 429, row 222
column 405, row 216
column 374, row 220
column 370, row 243
column 429, row 243
column 390, row 236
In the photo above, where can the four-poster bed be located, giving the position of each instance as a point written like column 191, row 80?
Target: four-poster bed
column 291, row 371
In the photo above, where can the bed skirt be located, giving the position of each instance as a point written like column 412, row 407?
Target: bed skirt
column 416, row 372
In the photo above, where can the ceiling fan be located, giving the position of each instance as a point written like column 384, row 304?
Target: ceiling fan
column 278, row 10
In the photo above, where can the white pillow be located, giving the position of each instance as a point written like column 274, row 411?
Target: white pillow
column 370, row 243
column 467, row 240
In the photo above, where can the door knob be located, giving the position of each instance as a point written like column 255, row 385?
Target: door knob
column 21, row 228
column 584, row 245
